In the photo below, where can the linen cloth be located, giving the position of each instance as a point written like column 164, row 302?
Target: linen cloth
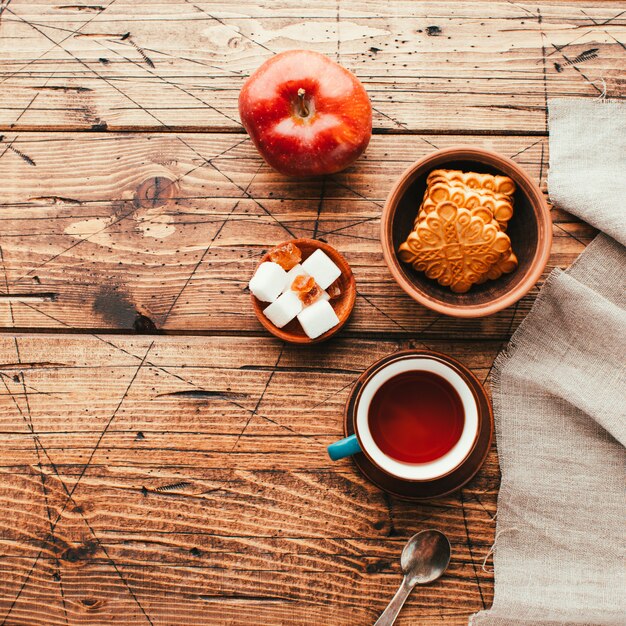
column 559, row 393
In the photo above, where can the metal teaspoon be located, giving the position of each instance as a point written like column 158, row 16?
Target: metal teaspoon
column 424, row 559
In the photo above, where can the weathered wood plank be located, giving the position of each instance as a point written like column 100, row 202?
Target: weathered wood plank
column 183, row 480
column 479, row 66
column 108, row 226
column 133, row 485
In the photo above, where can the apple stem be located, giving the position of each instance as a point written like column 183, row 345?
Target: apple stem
column 304, row 110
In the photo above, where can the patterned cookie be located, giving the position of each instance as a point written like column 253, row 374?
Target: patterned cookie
column 454, row 247
column 500, row 205
column 499, row 184
column 505, row 265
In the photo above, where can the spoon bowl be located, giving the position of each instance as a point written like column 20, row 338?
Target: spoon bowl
column 425, row 557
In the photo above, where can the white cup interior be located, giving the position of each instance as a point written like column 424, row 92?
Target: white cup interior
column 418, row 471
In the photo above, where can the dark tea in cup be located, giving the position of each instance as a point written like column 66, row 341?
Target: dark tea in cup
column 416, row 417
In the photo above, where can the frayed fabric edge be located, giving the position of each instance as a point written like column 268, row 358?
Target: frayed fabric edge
column 499, row 366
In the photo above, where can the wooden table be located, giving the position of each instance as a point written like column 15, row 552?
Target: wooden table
column 162, row 459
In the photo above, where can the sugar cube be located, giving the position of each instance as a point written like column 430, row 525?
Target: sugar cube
column 318, row 318
column 321, row 267
column 268, row 282
column 284, row 309
column 292, row 274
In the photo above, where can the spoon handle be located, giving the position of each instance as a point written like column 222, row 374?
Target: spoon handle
column 390, row 614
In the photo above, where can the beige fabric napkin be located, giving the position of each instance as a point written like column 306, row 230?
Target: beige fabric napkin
column 559, row 396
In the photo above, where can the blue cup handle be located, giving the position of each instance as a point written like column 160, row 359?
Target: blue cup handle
column 343, row 448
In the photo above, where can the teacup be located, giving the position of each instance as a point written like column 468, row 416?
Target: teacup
column 415, row 418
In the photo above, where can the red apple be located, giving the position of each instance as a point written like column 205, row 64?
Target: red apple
column 306, row 114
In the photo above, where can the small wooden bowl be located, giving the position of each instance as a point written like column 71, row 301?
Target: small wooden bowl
column 530, row 231
column 343, row 305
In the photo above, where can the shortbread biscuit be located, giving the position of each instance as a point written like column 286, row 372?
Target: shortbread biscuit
column 454, row 247
column 505, row 265
column 473, row 180
column 508, row 261
column 500, row 205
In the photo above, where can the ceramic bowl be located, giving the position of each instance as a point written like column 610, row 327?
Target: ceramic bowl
column 530, row 230
column 343, row 305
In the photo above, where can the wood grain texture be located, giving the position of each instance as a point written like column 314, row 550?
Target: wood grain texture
column 109, row 226
column 185, row 480
column 149, row 479
column 428, row 66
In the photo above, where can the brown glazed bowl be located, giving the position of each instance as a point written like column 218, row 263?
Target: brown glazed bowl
column 343, row 305
column 530, row 230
